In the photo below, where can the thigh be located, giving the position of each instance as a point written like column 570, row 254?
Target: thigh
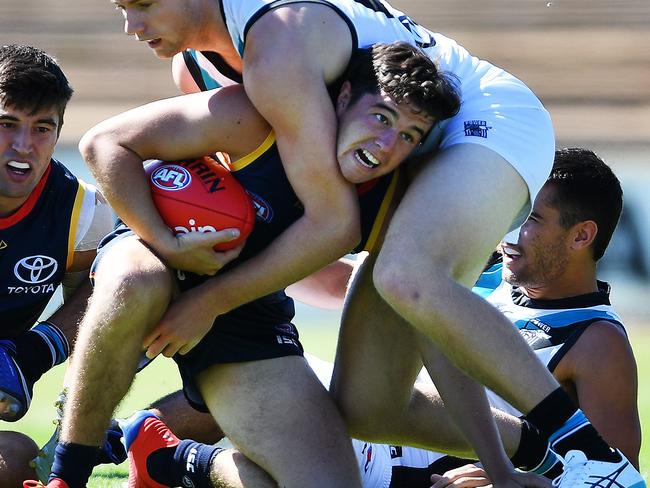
column 278, row 414
column 459, row 205
column 377, row 357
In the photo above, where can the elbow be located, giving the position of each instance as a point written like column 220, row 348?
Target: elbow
column 89, row 145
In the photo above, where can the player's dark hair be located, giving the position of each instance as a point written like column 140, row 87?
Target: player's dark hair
column 406, row 74
column 586, row 189
column 30, row 79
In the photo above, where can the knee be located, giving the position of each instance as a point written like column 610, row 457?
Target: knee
column 412, row 283
column 16, row 452
column 132, row 276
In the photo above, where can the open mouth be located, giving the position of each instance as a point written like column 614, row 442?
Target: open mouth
column 366, row 159
column 510, row 252
column 18, row 167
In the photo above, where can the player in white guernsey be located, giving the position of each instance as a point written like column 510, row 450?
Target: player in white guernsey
column 287, row 53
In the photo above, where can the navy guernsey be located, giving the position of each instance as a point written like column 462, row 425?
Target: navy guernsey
column 36, row 248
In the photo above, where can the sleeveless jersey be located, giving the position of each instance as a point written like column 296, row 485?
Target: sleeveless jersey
column 369, row 21
column 550, row 327
column 37, row 247
column 277, row 206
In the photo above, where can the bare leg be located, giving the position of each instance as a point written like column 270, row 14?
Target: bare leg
column 184, row 421
column 231, row 469
column 132, row 291
column 449, row 221
column 280, row 416
column 373, row 384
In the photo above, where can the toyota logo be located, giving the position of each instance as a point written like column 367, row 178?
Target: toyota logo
column 35, row 269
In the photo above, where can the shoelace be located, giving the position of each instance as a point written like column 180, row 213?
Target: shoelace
column 574, row 474
column 42, row 463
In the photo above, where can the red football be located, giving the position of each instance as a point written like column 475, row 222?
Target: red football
column 200, row 195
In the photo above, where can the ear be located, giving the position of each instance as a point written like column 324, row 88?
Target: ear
column 584, row 234
column 342, row 101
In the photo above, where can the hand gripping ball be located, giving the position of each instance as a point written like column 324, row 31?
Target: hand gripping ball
column 200, row 195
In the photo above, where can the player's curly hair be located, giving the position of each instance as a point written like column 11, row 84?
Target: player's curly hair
column 31, row 79
column 408, row 75
column 586, row 189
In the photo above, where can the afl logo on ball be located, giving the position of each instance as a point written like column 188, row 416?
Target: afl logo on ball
column 171, row 177
column 35, row 269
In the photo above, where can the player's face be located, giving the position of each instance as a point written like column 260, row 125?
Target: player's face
column 375, row 135
column 27, row 143
column 167, row 26
column 542, row 253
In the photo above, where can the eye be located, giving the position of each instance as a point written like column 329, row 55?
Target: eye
column 407, row 137
column 6, row 125
column 42, row 129
column 381, row 118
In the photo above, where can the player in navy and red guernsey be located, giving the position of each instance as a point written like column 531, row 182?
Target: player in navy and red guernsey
column 49, row 228
column 250, row 361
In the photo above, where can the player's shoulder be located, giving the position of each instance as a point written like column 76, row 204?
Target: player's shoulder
column 603, row 341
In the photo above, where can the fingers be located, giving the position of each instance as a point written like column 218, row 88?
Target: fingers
column 210, row 239
column 468, row 476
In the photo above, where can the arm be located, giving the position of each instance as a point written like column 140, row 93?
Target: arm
column 606, row 388
column 181, row 127
column 325, row 288
column 98, row 221
column 295, row 101
column 293, row 97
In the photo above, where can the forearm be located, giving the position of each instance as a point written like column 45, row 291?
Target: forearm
column 327, row 287
column 120, row 176
column 304, row 248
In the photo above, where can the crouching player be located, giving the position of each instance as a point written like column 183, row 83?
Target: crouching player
column 50, row 225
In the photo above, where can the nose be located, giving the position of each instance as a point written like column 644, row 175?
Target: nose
column 22, row 140
column 386, row 140
column 133, row 25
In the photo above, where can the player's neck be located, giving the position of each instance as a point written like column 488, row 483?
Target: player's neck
column 575, row 281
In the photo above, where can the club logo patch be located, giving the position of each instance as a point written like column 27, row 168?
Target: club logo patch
column 476, row 128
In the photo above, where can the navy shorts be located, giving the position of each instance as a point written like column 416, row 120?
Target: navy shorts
column 258, row 330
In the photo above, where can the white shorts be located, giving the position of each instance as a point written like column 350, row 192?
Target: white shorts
column 501, row 113
column 374, row 463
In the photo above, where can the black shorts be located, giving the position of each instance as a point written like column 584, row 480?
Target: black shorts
column 258, row 330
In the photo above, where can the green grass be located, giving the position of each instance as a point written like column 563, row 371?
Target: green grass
column 319, row 338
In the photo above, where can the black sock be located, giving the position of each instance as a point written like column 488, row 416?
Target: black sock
column 567, row 428
column 532, row 449
column 40, row 348
column 74, row 463
column 552, row 412
column 189, row 461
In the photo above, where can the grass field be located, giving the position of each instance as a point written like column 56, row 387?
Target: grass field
column 318, row 337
